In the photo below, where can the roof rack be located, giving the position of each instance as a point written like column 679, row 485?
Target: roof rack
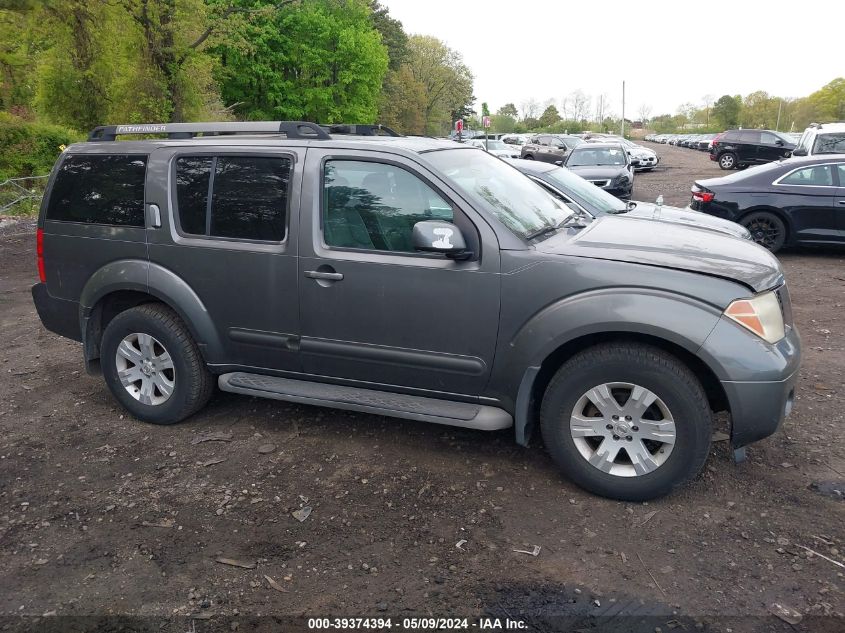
column 291, row 129
column 360, row 129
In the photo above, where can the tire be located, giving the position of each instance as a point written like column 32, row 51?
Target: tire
column 766, row 229
column 679, row 413
column 528, row 157
column 151, row 344
column 728, row 161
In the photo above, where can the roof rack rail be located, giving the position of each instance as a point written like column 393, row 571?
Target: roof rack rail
column 291, row 129
column 360, row 129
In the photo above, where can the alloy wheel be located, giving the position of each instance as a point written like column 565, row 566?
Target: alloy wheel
column 145, row 369
column 623, row 429
column 727, row 161
column 763, row 231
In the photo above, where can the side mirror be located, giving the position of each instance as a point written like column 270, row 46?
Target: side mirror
column 436, row 236
column 779, row 143
column 635, row 162
column 799, row 151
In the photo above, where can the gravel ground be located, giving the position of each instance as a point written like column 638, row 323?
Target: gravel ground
column 103, row 516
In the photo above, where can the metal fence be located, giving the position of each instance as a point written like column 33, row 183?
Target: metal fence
column 22, row 195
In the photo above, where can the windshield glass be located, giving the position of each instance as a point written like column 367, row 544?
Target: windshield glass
column 830, row 143
column 595, row 199
column 494, row 145
column 517, row 201
column 585, row 155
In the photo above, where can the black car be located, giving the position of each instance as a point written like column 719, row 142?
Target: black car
column 739, row 148
column 549, row 148
column 606, row 165
column 580, row 194
column 795, row 201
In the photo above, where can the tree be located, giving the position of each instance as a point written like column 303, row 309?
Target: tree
column 576, row 106
column 530, row 109
column 485, row 109
column 319, row 60
column 393, row 36
column 726, row 111
column 401, row 97
column 508, row 110
column 644, row 112
column 550, row 116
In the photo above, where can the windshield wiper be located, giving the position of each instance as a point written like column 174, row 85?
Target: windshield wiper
column 548, row 228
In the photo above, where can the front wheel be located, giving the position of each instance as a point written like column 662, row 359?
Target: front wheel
column 152, row 365
column 528, row 157
column 626, row 421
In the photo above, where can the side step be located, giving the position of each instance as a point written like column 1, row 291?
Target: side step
column 470, row 416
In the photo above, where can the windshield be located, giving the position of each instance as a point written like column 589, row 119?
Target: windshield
column 494, row 145
column 582, row 156
column 595, row 199
column 830, row 144
column 518, row 202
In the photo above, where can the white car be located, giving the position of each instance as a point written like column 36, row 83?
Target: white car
column 821, row 138
column 497, row 148
column 516, row 141
column 647, row 158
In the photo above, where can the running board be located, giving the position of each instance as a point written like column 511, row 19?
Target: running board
column 397, row 405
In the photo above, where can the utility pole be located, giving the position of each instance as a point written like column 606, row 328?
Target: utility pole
column 780, row 105
column 623, row 108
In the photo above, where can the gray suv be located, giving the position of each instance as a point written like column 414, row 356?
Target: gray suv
column 409, row 277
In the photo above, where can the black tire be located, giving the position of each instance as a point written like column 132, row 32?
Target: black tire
column 193, row 384
column 728, row 161
column 641, row 365
column 528, row 157
column 766, row 229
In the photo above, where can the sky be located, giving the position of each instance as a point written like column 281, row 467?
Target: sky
column 668, row 52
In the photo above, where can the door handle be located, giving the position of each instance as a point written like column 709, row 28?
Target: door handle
column 319, row 274
column 155, row 216
column 842, row 202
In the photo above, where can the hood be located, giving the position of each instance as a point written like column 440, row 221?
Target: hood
column 598, row 171
column 642, row 151
column 671, row 245
column 648, row 210
column 504, row 152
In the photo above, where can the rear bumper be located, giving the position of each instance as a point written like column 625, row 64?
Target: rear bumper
column 57, row 315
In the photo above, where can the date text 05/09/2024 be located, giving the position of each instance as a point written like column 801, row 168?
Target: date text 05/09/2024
column 417, row 624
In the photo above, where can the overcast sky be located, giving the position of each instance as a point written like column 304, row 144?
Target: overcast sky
column 668, row 52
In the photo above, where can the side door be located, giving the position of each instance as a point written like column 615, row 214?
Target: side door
column 374, row 312
column 808, row 195
column 839, row 201
column 771, row 148
column 748, row 147
column 228, row 230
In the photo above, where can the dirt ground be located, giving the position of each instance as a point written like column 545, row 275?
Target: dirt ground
column 102, row 516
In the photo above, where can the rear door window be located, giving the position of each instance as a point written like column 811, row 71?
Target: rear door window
column 750, row 136
column 249, row 196
column 816, row 176
column 99, row 189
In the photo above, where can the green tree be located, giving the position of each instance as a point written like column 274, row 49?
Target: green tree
column 399, row 107
column 726, row 111
column 509, row 109
column 550, row 116
column 393, row 36
column 321, row 60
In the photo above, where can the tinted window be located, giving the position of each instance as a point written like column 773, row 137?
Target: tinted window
column 99, row 189
column 248, row 200
column 750, row 136
column 830, row 143
column 817, row 176
column 375, row 206
column 769, row 139
column 192, row 176
column 250, row 197
column 841, row 175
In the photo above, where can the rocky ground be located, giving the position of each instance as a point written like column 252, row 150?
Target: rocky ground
column 255, row 511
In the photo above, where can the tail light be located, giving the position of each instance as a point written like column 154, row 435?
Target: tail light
column 39, row 249
column 703, row 196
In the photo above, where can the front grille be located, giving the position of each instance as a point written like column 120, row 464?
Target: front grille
column 782, row 294
column 600, row 183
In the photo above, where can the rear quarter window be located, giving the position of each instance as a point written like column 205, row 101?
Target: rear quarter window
column 99, row 189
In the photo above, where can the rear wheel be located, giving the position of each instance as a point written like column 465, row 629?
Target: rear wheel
column 766, row 229
column 153, row 366
column 728, row 161
column 528, row 157
column 626, row 421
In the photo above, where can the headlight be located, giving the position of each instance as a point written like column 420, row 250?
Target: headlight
column 622, row 179
column 760, row 314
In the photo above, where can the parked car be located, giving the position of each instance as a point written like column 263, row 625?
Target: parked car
column 409, row 277
column 497, row 148
column 739, row 148
column 789, row 202
column 647, row 159
column 606, row 165
column 573, row 189
column 549, row 148
column 821, row 138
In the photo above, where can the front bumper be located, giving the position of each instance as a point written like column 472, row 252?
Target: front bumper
column 58, row 315
column 758, row 378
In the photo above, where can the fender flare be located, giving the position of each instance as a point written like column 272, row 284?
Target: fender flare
column 159, row 282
